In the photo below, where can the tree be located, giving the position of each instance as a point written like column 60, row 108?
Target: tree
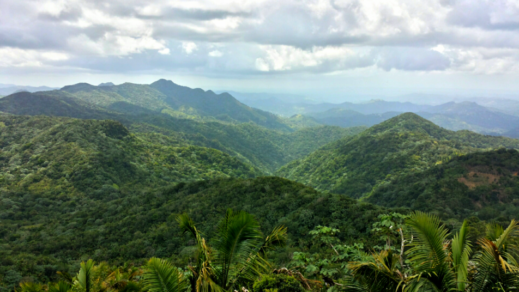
column 435, row 263
column 390, row 227
column 238, row 253
column 438, row 264
column 497, row 261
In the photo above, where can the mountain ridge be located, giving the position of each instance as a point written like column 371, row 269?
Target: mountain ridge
column 356, row 165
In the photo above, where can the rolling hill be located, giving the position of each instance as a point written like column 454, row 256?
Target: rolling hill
column 483, row 184
column 53, row 103
column 356, row 165
column 68, row 157
column 52, row 233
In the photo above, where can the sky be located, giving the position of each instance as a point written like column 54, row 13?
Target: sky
column 329, row 49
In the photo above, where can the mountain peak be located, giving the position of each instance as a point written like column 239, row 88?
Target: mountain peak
column 107, row 84
column 408, row 122
column 163, row 81
column 78, row 87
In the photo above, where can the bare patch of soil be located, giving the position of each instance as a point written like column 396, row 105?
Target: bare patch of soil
column 475, row 179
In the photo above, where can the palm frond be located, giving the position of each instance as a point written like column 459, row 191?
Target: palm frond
column 161, row 276
column 61, row 286
column 378, row 272
column 277, row 238
column 186, row 224
column 493, row 268
column 428, row 253
column 31, row 287
column 460, row 256
column 238, row 236
column 84, row 276
column 511, row 232
column 205, row 281
column 493, row 231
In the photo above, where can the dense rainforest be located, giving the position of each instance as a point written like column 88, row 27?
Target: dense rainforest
column 161, row 187
column 357, row 165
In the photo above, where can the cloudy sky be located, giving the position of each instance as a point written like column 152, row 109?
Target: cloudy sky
column 334, row 48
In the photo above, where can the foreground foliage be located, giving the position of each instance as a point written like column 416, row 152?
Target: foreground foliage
column 426, row 257
column 40, row 235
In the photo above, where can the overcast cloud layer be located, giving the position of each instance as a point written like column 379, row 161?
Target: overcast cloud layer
column 253, row 39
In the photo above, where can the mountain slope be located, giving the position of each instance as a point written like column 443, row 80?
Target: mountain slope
column 513, row 133
column 474, row 115
column 133, row 224
column 69, row 157
column 208, row 103
column 140, row 95
column 179, row 101
column 51, row 103
column 407, row 143
column 10, row 89
column 264, row 148
column 483, row 184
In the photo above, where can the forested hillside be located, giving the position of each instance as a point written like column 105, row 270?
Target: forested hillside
column 58, row 103
column 95, row 172
column 69, row 157
column 405, row 144
column 264, row 148
column 483, row 184
column 41, row 233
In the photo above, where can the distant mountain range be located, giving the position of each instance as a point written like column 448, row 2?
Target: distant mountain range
column 7, row 89
column 496, row 119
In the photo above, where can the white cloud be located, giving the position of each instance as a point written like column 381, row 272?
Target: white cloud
column 286, row 58
column 215, row 54
column 189, row 47
column 14, row 57
column 483, row 60
column 231, row 36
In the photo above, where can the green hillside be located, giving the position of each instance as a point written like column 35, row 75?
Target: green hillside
column 302, row 121
column 69, row 157
column 264, row 148
column 53, row 103
column 44, row 231
column 354, row 166
column 140, row 95
column 79, row 189
column 483, row 184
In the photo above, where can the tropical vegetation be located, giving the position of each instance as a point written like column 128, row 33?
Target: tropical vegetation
column 424, row 256
column 165, row 188
column 355, row 166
